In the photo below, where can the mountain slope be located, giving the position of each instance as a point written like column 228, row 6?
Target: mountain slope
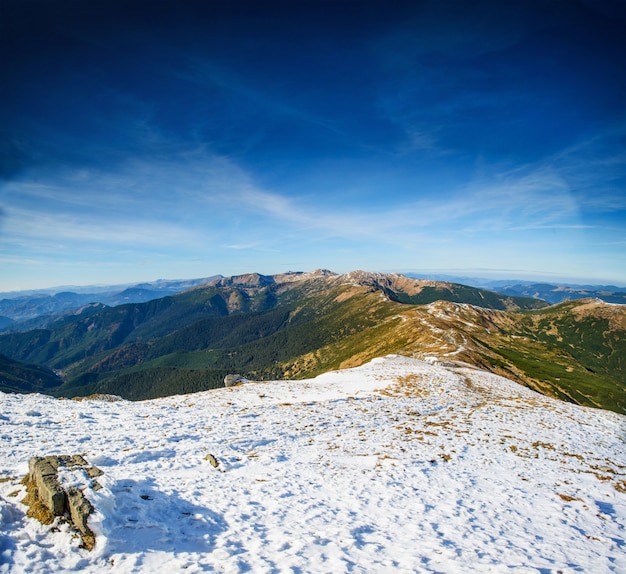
column 553, row 293
column 19, row 377
column 575, row 351
column 421, row 292
column 300, row 325
column 40, row 308
column 396, row 466
column 317, row 325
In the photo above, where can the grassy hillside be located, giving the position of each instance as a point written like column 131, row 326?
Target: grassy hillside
column 78, row 337
column 579, row 349
column 259, row 345
column 574, row 351
column 470, row 295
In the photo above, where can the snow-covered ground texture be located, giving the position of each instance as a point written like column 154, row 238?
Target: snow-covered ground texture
column 396, row 466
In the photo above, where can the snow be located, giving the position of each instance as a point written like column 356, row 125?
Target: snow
column 395, row 466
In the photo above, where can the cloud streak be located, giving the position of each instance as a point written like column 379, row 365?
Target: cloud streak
column 200, row 195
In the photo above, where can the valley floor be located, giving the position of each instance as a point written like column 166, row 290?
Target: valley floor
column 396, row 466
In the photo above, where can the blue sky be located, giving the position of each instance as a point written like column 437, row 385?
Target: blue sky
column 143, row 140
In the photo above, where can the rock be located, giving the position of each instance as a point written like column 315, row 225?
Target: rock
column 43, row 476
column 100, row 397
column 80, row 509
column 43, row 473
column 212, row 460
column 74, row 460
column 232, row 380
column 93, row 472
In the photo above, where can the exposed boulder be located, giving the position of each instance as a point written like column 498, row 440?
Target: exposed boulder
column 233, row 380
column 80, row 509
column 43, row 483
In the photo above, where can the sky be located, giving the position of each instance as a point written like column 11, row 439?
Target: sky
column 176, row 139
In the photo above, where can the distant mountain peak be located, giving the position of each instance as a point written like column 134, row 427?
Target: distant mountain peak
column 366, row 277
column 392, row 281
column 256, row 280
column 245, row 280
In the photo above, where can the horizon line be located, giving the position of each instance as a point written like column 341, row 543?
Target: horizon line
column 486, row 274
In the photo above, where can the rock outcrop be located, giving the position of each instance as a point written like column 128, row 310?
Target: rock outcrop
column 43, row 474
column 43, row 484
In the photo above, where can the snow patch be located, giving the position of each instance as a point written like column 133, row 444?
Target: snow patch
column 396, row 466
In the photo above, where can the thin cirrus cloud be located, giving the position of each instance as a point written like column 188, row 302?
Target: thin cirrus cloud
column 174, row 204
column 43, row 232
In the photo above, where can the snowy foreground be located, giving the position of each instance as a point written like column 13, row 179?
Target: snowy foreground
column 396, row 466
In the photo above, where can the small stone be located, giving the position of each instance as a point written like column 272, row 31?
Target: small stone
column 212, row 460
column 94, row 472
column 77, row 460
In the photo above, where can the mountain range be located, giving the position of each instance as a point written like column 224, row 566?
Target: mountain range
column 298, row 325
column 550, row 292
column 24, row 310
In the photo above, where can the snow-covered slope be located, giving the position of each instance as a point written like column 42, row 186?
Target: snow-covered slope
column 396, row 466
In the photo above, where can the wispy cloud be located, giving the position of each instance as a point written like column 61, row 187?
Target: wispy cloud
column 195, row 197
column 533, row 197
column 52, row 232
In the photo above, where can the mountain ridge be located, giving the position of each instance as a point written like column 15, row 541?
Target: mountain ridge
column 302, row 324
column 31, row 309
column 548, row 291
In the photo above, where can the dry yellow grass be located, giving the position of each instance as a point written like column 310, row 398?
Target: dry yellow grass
column 36, row 509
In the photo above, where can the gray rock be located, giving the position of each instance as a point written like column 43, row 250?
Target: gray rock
column 80, row 509
column 232, row 380
column 43, row 474
column 212, row 460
